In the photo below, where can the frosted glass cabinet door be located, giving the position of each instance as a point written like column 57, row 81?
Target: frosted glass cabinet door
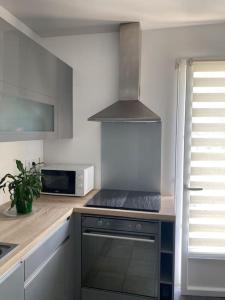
column 36, row 90
column 24, row 115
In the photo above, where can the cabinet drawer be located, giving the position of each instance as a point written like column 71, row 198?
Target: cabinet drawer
column 47, row 247
column 107, row 223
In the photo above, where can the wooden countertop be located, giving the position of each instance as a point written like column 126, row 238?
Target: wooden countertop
column 51, row 211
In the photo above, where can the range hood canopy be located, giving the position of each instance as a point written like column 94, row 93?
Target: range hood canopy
column 129, row 108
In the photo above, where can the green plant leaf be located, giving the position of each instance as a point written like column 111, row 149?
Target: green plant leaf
column 24, row 187
column 19, row 166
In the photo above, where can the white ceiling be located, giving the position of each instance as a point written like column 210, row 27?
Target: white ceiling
column 62, row 17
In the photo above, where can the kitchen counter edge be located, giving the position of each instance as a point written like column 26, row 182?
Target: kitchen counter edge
column 52, row 211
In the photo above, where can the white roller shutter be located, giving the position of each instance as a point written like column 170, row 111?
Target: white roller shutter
column 207, row 206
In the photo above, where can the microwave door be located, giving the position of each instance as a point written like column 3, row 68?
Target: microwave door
column 58, row 182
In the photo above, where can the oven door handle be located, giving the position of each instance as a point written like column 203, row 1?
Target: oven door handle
column 120, row 237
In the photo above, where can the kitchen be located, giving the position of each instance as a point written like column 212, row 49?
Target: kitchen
column 95, row 61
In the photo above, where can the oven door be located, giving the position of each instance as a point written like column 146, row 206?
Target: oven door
column 121, row 262
column 58, row 182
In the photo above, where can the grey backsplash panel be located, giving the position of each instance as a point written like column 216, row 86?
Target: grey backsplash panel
column 131, row 156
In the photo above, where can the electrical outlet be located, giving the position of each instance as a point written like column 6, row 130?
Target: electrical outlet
column 28, row 163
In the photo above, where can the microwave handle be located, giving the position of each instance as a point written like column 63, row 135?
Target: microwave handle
column 120, row 237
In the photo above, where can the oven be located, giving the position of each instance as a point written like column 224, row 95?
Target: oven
column 119, row 256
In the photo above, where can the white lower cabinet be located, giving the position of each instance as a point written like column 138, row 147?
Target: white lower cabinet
column 47, row 283
column 12, row 284
column 46, row 267
column 44, row 273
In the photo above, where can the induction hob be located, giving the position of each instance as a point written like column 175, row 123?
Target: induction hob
column 128, row 200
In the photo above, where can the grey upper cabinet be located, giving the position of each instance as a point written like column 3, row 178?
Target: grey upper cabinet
column 65, row 105
column 27, row 65
column 36, row 90
column 10, row 56
column 39, row 68
column 12, row 285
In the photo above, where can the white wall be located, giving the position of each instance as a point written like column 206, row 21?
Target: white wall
column 161, row 48
column 95, row 57
column 28, row 150
column 95, row 61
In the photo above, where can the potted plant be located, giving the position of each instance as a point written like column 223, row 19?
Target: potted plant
column 24, row 188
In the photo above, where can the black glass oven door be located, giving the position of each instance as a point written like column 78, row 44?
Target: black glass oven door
column 58, row 182
column 121, row 262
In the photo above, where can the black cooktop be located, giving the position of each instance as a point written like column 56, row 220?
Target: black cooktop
column 129, row 200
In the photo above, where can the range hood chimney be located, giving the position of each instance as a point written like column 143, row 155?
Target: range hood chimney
column 129, row 108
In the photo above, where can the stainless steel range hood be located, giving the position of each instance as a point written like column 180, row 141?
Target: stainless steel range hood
column 129, row 108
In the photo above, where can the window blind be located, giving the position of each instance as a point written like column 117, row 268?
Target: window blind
column 207, row 168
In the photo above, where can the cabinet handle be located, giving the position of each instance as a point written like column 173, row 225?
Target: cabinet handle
column 120, row 237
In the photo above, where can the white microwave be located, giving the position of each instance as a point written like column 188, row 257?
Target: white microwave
column 68, row 180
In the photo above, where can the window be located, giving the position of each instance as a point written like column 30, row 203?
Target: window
column 207, row 167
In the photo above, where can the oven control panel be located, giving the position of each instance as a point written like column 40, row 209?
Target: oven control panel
column 123, row 224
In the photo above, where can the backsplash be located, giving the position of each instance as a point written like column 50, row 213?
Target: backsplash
column 24, row 150
column 131, row 156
